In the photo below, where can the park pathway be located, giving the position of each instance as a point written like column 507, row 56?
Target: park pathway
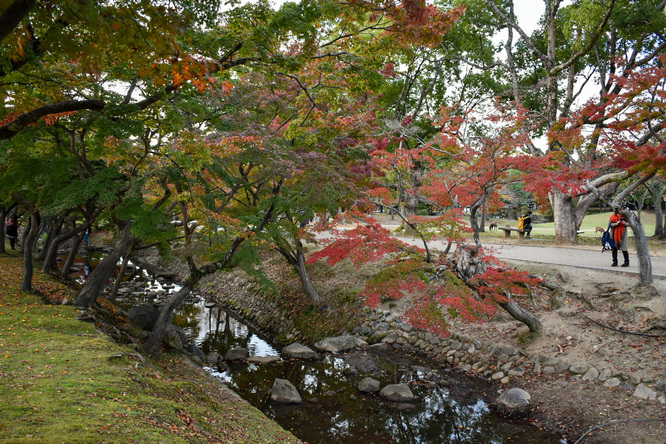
column 574, row 257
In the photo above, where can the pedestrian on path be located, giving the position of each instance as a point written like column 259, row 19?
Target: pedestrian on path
column 620, row 236
column 12, row 231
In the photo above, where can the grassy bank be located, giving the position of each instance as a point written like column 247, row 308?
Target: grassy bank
column 61, row 380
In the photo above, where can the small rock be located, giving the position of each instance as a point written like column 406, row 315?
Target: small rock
column 644, row 392
column 340, row 343
column 263, row 359
column 299, row 351
column 236, row 354
column 513, row 402
column 612, row 382
column 497, row 376
column 368, row 385
column 591, row 374
column 518, row 371
column 397, row 393
column 284, row 392
column 579, row 368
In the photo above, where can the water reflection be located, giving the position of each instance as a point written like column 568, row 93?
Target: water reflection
column 448, row 408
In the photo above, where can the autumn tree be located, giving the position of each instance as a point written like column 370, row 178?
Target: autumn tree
column 587, row 42
column 468, row 284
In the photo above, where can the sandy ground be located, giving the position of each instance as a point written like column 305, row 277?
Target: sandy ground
column 562, row 401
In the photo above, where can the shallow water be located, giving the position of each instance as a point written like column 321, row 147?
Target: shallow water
column 449, row 407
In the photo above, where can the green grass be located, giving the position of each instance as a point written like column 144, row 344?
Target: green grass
column 64, row 381
column 590, row 222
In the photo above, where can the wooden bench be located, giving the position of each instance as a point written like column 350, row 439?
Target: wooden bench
column 508, row 230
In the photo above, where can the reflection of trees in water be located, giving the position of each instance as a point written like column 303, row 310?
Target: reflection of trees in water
column 188, row 318
column 224, row 332
column 464, row 423
column 342, row 414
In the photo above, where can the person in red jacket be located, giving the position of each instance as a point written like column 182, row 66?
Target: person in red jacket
column 620, row 236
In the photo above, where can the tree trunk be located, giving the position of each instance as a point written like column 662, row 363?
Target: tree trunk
column 50, row 257
column 119, row 278
column 410, row 196
column 297, row 260
column 28, row 247
column 99, row 278
column 467, row 264
column 565, row 222
column 644, row 261
column 304, row 277
column 3, row 228
column 54, row 229
column 76, row 243
column 522, row 315
column 152, row 345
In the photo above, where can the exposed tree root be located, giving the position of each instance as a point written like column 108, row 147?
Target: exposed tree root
column 624, row 331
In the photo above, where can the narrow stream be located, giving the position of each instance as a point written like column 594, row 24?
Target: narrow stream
column 449, row 407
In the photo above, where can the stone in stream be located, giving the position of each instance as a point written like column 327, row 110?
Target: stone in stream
column 263, row 359
column 214, row 358
column 284, row 392
column 197, row 354
column 299, row 351
column 513, row 402
column 340, row 343
column 368, row 385
column 236, row 354
column 397, row 393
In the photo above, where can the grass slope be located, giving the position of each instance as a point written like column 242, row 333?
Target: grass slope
column 61, row 380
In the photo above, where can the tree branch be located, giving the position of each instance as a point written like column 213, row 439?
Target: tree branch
column 11, row 129
column 13, row 15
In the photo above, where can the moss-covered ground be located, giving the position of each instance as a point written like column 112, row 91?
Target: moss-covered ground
column 62, row 380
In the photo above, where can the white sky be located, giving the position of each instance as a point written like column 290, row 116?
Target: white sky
column 528, row 13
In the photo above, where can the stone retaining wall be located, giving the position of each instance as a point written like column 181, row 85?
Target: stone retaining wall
column 492, row 361
column 235, row 292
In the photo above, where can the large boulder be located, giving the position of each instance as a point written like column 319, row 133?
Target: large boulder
column 299, row 351
column 213, row 358
column 513, row 402
column 397, row 393
column 175, row 337
column 143, row 316
column 340, row 343
column 197, row 354
column 284, row 392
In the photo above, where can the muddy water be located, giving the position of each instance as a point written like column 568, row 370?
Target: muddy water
column 449, row 407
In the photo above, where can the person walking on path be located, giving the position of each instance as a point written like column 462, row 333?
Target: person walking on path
column 620, row 236
column 12, row 231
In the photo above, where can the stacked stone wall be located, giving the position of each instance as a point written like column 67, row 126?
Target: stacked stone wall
column 503, row 364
